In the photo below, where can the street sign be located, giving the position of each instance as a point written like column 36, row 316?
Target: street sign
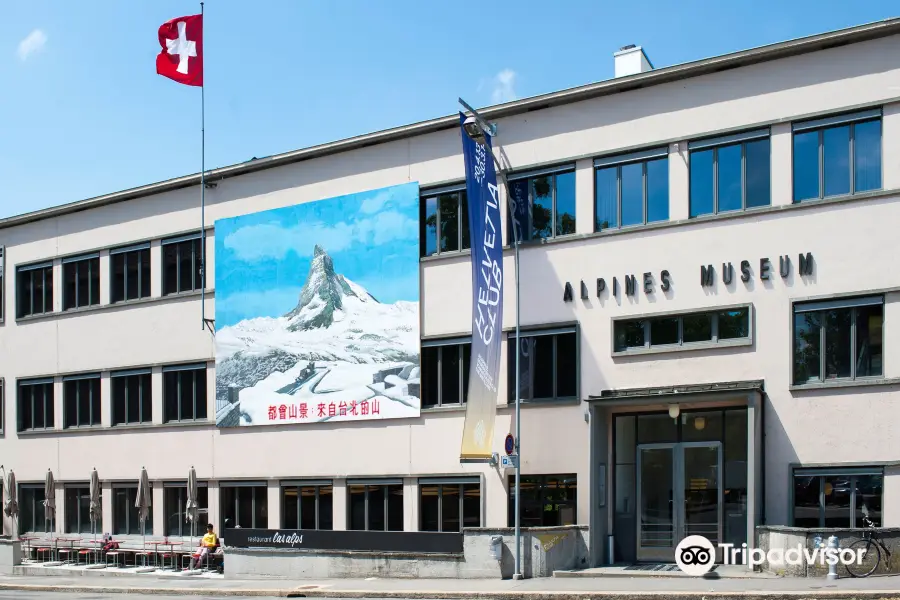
column 510, row 444
column 509, row 462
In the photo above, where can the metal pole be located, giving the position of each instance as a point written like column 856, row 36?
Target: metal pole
column 202, row 196
column 517, row 573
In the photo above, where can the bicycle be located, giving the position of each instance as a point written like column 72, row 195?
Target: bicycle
column 872, row 545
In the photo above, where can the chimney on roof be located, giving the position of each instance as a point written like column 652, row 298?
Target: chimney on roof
column 631, row 60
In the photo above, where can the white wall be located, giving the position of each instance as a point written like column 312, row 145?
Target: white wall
column 847, row 241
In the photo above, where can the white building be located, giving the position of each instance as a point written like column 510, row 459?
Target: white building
column 714, row 243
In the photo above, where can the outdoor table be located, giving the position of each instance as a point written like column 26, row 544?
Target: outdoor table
column 28, row 539
column 88, row 552
column 160, row 555
column 71, row 541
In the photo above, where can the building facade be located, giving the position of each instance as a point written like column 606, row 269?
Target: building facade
column 708, row 305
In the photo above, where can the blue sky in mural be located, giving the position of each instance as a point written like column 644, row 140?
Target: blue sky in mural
column 263, row 259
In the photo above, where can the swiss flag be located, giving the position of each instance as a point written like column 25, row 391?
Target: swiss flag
column 181, row 58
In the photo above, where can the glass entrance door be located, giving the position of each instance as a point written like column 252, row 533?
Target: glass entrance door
column 679, row 494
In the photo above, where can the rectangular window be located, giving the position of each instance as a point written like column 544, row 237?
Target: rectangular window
column 126, row 520
column 244, row 505
column 838, row 339
column 81, row 400
column 175, row 507
column 445, row 371
column 78, row 510
column 546, row 208
column 184, row 393
column 836, row 497
column 445, row 221
column 632, row 189
column 181, row 264
column 548, row 366
column 547, row 500
column 34, row 293
column 132, row 401
column 307, row 505
column 681, row 330
column 81, row 282
column 35, row 404
column 730, row 173
column 32, row 518
column 837, row 156
column 129, row 273
column 449, row 504
column 376, row 506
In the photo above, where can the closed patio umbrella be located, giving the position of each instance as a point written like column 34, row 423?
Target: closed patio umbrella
column 94, row 508
column 142, row 503
column 11, row 506
column 49, row 499
column 192, row 508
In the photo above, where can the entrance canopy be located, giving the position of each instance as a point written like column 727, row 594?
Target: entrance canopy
column 675, row 461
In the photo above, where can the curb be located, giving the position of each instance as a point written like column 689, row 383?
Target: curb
column 459, row 595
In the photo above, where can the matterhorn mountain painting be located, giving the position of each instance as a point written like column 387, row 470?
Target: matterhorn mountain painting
column 317, row 311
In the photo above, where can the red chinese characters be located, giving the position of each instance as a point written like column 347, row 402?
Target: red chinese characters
column 282, row 412
column 273, row 413
column 353, row 407
column 321, row 410
column 303, row 413
column 342, row 409
column 292, row 411
column 332, row 410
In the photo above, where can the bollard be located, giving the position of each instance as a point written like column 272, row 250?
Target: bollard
column 832, row 567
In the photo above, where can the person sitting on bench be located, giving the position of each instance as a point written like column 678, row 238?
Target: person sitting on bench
column 207, row 544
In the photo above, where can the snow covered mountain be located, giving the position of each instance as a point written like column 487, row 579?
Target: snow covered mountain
column 335, row 325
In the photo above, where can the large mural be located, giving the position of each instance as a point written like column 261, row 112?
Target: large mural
column 317, row 311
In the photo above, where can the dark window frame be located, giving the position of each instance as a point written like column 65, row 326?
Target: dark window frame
column 821, row 473
column 48, row 400
column 130, row 528
column 181, row 244
column 73, row 383
column 462, row 201
column 841, row 120
column 37, row 508
column 844, row 302
column 555, row 333
column 72, row 270
column 714, row 341
column 125, row 376
column 253, row 486
column 715, row 144
column 184, row 528
column 298, row 486
column 179, row 371
column 439, row 345
column 530, row 176
column 143, row 287
column 460, row 484
column 45, row 270
column 542, row 482
column 384, row 489
column 618, row 161
column 78, row 525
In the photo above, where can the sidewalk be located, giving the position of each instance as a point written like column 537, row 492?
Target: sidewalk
column 620, row 588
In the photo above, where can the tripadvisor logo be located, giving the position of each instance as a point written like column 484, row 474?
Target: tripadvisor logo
column 696, row 555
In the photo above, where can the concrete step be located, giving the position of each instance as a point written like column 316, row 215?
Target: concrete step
column 664, row 570
column 40, row 570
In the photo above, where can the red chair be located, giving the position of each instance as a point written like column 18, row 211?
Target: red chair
column 45, row 550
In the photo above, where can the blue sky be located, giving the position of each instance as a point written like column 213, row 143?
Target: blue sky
column 262, row 259
column 83, row 113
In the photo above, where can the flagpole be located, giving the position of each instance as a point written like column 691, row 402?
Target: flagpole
column 202, row 193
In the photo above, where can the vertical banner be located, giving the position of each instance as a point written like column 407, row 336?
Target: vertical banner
column 487, row 296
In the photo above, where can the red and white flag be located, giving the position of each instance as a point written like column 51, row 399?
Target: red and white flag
column 181, row 58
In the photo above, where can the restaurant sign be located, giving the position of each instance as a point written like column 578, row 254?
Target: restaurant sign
column 649, row 281
column 421, row 542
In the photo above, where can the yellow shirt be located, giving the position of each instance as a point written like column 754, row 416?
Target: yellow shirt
column 209, row 540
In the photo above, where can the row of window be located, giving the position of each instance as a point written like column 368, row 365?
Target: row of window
column 548, row 368
column 129, row 276
column 833, row 156
column 832, row 340
column 184, row 398
column 447, row 504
